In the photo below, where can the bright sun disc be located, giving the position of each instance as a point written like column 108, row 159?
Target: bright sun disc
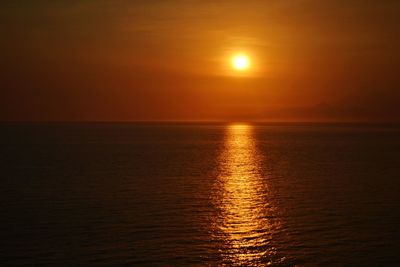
column 240, row 62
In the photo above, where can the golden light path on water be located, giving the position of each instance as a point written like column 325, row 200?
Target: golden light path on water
column 246, row 221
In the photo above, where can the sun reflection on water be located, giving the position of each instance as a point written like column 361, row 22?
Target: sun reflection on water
column 245, row 211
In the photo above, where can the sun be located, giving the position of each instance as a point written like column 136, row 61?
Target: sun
column 240, row 62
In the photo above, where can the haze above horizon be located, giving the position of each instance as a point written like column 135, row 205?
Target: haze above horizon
column 305, row 60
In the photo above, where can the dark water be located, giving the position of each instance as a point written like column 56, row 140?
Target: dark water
column 184, row 195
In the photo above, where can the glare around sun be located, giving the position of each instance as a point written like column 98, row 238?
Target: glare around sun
column 240, row 62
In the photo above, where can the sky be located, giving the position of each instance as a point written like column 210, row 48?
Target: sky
column 169, row 60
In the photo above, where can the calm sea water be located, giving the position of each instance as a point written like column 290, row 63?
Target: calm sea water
column 199, row 195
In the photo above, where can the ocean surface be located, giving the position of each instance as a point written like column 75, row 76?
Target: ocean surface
column 98, row 194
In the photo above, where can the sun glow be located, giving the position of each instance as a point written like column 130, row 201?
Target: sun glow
column 240, row 62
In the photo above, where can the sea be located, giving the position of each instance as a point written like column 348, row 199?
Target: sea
column 199, row 194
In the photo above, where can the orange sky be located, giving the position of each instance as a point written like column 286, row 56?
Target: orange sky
column 331, row 60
